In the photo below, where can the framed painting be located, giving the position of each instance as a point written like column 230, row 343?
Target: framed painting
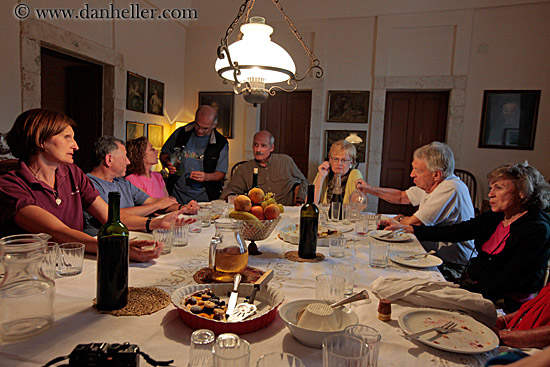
column 155, row 97
column 348, row 106
column 509, row 119
column 134, row 130
column 135, row 95
column 155, row 134
column 357, row 138
column 223, row 103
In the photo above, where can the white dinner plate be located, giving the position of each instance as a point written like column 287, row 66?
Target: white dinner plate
column 473, row 337
column 429, row 261
column 291, row 233
column 401, row 237
column 134, row 235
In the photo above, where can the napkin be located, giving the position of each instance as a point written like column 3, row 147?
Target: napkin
column 424, row 292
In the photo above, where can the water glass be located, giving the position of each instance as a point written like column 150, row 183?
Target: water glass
column 343, row 350
column 196, row 226
column 346, row 214
column 49, row 265
column 337, row 246
column 335, row 208
column 70, row 259
column 347, row 271
column 378, row 254
column 329, row 288
column 323, row 212
column 218, row 207
column 370, row 337
column 231, row 351
column 200, row 348
column 166, row 236
column 180, row 234
column 373, row 221
column 279, row 359
column 205, row 215
column 355, row 212
column 362, row 227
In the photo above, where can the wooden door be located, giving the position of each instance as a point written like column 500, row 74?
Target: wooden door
column 412, row 119
column 287, row 116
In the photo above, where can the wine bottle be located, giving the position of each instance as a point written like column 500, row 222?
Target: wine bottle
column 112, row 260
column 255, row 177
column 309, row 222
column 337, row 195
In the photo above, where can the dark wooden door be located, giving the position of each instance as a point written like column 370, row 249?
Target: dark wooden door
column 287, row 116
column 412, row 119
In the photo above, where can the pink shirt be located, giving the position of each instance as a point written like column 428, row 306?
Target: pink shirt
column 154, row 186
column 496, row 243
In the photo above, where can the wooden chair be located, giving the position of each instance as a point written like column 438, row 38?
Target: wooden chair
column 235, row 166
column 470, row 181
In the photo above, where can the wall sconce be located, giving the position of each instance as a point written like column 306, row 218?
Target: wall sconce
column 254, row 61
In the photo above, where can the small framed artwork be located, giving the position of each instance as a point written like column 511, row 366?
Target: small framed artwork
column 155, row 97
column 155, row 134
column 223, row 103
column 134, row 130
column 135, row 95
column 348, row 106
column 509, row 119
column 357, row 138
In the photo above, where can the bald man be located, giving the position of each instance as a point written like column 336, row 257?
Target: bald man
column 203, row 160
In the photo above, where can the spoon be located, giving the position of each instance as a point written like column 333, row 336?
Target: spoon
column 353, row 298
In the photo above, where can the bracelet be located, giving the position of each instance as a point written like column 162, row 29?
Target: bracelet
column 147, row 225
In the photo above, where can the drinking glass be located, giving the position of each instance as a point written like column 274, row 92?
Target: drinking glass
column 335, row 208
column 231, row 351
column 372, row 220
column 343, row 350
column 371, row 337
column 362, row 227
column 277, row 359
column 200, row 352
column 205, row 215
column 346, row 214
column 196, row 226
column 378, row 253
column 329, row 288
column 180, row 235
column 337, row 246
column 70, row 259
column 218, row 207
column 347, row 271
column 166, row 236
column 49, row 265
column 323, row 215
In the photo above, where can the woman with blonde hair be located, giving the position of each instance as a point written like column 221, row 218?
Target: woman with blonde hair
column 341, row 158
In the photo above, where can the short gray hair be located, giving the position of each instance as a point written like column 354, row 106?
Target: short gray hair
column 438, row 157
column 270, row 135
column 103, row 146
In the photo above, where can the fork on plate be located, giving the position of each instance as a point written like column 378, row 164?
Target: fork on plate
column 447, row 328
column 393, row 233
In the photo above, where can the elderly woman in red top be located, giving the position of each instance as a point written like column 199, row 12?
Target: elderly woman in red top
column 48, row 192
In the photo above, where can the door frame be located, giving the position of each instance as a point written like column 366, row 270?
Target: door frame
column 456, row 85
column 36, row 34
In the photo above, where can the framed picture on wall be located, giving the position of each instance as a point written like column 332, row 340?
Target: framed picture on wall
column 155, row 97
column 348, row 106
column 357, row 138
column 223, row 103
column 134, row 130
column 135, row 95
column 509, row 119
column 155, row 134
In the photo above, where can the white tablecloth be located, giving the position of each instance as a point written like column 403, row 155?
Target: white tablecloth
column 164, row 336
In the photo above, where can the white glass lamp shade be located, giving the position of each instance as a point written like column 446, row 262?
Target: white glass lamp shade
column 257, row 57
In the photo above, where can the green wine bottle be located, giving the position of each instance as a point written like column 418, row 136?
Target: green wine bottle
column 309, row 222
column 112, row 260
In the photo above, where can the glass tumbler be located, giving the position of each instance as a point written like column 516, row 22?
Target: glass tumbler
column 166, row 236
column 329, row 288
column 370, row 336
column 277, row 359
column 342, row 350
column 200, row 352
column 231, row 351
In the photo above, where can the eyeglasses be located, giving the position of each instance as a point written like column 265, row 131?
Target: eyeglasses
column 338, row 160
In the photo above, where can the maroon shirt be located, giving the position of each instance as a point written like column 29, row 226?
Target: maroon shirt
column 19, row 188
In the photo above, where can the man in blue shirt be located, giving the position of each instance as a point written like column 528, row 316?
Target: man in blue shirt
column 203, row 158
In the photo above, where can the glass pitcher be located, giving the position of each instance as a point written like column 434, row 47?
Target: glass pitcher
column 358, row 201
column 26, row 291
column 229, row 254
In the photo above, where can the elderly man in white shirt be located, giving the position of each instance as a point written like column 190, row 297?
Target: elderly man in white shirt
column 442, row 198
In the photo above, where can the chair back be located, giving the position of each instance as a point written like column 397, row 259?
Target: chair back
column 470, row 181
column 235, row 166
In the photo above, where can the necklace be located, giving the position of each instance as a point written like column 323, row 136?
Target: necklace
column 57, row 199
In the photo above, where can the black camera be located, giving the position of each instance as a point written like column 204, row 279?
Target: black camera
column 104, row 354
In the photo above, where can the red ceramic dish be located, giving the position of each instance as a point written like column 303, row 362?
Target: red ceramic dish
column 267, row 301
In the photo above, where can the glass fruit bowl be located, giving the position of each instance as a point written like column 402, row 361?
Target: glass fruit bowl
column 253, row 231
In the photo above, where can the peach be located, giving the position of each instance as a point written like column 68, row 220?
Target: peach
column 256, row 195
column 258, row 212
column 243, row 203
column 271, row 211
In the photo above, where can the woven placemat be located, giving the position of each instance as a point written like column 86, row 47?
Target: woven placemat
column 250, row 275
column 141, row 301
column 293, row 256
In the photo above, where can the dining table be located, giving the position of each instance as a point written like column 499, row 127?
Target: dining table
column 164, row 336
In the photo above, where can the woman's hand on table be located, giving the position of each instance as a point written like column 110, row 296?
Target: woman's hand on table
column 145, row 250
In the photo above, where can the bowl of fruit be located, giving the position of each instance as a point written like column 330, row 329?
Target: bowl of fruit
column 260, row 214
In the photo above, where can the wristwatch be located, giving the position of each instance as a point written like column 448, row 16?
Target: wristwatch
column 400, row 218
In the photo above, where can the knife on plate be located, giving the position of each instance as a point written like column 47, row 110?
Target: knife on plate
column 234, row 295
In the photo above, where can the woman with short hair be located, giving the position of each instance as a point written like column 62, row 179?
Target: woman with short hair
column 341, row 158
